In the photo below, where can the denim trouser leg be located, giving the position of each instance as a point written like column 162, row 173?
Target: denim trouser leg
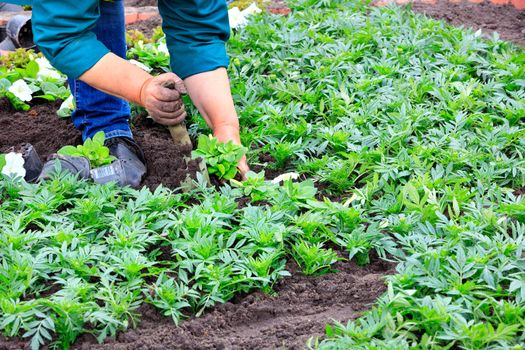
column 96, row 110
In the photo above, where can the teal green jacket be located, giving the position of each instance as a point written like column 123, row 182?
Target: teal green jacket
column 196, row 32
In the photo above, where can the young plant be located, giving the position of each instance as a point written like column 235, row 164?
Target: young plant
column 18, row 59
column 171, row 297
column 254, row 186
column 313, row 258
column 221, row 158
column 360, row 241
column 92, row 149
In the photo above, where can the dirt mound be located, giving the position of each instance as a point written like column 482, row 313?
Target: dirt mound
column 140, row 3
column 300, row 310
column 146, row 26
column 164, row 159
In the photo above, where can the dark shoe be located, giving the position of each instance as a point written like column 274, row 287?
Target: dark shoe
column 130, row 161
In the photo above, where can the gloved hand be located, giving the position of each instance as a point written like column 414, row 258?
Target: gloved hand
column 161, row 96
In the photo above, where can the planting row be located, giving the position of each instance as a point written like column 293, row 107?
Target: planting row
column 414, row 129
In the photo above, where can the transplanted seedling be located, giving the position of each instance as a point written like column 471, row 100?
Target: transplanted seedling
column 92, row 149
column 221, row 158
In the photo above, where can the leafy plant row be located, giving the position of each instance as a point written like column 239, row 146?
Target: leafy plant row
column 81, row 258
column 421, row 125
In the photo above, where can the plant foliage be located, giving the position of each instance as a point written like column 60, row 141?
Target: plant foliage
column 92, row 149
column 221, row 158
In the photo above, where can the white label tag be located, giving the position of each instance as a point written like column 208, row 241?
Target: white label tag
column 105, row 171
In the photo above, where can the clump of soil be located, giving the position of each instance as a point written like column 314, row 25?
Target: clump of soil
column 42, row 128
column 146, row 26
column 506, row 20
column 164, row 158
column 140, row 3
column 300, row 310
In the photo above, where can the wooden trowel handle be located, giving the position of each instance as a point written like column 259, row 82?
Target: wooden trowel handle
column 180, row 135
column 178, row 132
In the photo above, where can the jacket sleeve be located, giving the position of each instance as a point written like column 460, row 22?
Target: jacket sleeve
column 62, row 30
column 196, row 33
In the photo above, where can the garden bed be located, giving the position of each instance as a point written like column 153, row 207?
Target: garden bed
column 414, row 128
column 299, row 310
column 301, row 307
column 47, row 133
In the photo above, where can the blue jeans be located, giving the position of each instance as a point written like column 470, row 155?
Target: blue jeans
column 98, row 111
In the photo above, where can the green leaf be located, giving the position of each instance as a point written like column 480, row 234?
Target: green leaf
column 16, row 102
column 32, row 69
column 222, row 169
column 412, row 193
column 70, row 151
column 230, row 174
column 64, row 113
column 99, row 138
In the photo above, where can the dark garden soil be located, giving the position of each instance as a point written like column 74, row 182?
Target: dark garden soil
column 506, row 20
column 146, row 26
column 520, row 192
column 47, row 133
column 140, row 3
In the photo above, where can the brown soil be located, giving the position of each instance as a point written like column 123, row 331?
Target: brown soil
column 300, row 310
column 267, row 163
column 47, row 133
column 506, row 20
column 146, row 26
column 140, row 3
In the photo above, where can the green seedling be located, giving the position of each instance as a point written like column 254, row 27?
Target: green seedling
column 255, row 186
column 2, row 161
column 313, row 258
column 361, row 241
column 92, row 149
column 221, row 158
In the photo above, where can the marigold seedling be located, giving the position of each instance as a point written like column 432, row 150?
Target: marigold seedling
column 221, row 158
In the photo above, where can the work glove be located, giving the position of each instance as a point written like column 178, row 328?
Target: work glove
column 162, row 98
